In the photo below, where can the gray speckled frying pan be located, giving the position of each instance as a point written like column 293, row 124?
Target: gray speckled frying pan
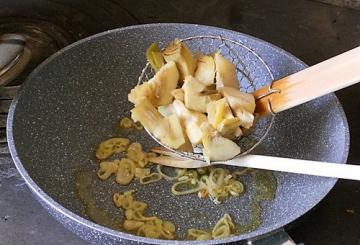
column 72, row 101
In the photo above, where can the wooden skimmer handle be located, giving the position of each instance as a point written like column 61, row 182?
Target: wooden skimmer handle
column 328, row 76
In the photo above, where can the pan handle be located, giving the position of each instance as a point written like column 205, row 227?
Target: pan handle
column 277, row 237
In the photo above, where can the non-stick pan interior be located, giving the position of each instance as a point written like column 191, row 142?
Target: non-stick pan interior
column 73, row 101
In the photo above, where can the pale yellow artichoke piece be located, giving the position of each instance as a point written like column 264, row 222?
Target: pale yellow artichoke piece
column 194, row 133
column 158, row 60
column 205, row 70
column 179, row 53
column 188, row 115
column 226, row 75
column 191, row 120
column 175, row 137
column 167, row 130
column 198, row 102
column 252, row 129
column 238, row 99
column 155, row 57
column 217, row 111
column 193, row 86
column 163, row 83
column 157, row 89
column 242, row 104
column 198, row 55
column 229, row 127
column 139, row 113
column 220, row 116
column 166, row 110
column 178, row 94
column 148, row 116
column 246, row 118
column 217, row 147
column 140, row 93
column 238, row 132
column 196, row 94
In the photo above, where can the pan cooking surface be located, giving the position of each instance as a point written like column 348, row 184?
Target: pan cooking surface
column 72, row 102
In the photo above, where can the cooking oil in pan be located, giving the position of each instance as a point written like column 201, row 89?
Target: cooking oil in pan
column 83, row 181
column 264, row 190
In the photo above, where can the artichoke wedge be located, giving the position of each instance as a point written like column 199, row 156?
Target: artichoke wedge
column 217, row 147
column 178, row 94
column 226, row 75
column 153, row 54
column 157, row 89
column 191, row 120
column 166, row 110
column 167, row 130
column 197, row 95
column 230, row 127
column 205, row 70
column 242, row 104
column 222, row 119
column 217, row 110
column 179, row 53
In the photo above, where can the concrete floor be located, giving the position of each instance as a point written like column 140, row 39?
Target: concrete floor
column 310, row 30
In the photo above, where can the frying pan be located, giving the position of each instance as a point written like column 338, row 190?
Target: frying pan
column 72, row 101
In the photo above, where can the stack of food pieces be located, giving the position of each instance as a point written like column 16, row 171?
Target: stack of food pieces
column 193, row 101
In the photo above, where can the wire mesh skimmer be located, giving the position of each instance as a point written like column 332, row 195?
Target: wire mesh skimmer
column 252, row 72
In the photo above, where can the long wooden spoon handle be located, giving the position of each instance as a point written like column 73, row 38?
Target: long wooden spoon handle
column 328, row 76
column 325, row 169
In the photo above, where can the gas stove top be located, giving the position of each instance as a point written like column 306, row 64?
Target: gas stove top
column 310, row 30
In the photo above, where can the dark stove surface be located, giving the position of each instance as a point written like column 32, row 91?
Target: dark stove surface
column 310, row 30
column 49, row 26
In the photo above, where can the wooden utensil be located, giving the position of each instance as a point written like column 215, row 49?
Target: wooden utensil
column 325, row 169
column 328, row 76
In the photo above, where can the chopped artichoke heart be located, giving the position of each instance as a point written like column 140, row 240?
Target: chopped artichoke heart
column 198, row 103
column 218, row 110
column 191, row 121
column 158, row 60
column 175, row 136
column 226, row 75
column 178, row 94
column 196, row 94
column 153, row 54
column 193, row 86
column 198, row 55
column 246, row 118
column 147, row 115
column 205, row 70
column 167, row 129
column 179, row 53
column 166, row 110
column 222, row 118
column 157, row 89
column 139, row 93
column 194, row 133
column 187, row 115
column 229, row 126
column 217, row 147
column 242, row 104
column 238, row 99
column 238, row 132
